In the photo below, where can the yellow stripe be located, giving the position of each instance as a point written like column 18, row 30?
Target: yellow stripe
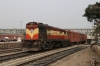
column 53, row 32
column 35, row 31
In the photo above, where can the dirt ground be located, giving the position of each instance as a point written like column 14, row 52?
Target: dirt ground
column 84, row 57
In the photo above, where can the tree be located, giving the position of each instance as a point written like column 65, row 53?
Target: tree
column 92, row 12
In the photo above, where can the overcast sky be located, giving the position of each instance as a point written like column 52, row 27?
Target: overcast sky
column 58, row 13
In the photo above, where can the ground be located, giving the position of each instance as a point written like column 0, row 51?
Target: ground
column 80, row 58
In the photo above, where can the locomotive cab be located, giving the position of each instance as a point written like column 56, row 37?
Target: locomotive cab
column 35, row 32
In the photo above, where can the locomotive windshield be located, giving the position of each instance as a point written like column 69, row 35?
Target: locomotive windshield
column 31, row 24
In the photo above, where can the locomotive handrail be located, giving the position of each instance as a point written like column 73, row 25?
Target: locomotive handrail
column 43, row 35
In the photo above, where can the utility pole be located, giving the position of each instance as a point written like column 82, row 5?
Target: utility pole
column 21, row 26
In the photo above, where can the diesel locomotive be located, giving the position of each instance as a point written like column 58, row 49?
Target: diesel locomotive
column 41, row 36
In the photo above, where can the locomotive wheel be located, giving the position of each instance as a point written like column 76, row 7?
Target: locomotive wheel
column 72, row 44
column 64, row 44
column 50, row 45
column 69, row 44
column 46, row 46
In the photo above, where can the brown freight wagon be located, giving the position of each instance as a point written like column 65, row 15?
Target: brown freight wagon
column 83, row 38
column 76, row 38
column 73, row 37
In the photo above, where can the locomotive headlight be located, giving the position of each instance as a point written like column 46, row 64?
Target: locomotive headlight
column 35, row 43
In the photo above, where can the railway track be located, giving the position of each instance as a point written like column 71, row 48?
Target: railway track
column 11, row 56
column 44, row 61
column 10, row 50
column 9, row 45
column 44, row 58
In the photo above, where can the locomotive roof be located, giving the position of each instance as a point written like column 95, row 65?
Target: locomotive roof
column 46, row 25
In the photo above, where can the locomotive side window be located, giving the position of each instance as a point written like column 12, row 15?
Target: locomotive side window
column 48, row 32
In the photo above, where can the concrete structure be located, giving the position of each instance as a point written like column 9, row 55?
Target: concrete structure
column 84, row 31
column 12, row 31
column 22, row 31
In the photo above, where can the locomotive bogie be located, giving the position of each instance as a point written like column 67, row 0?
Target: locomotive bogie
column 30, row 45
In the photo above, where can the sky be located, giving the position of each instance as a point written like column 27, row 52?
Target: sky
column 66, row 14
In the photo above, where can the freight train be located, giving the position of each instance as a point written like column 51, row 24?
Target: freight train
column 41, row 36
